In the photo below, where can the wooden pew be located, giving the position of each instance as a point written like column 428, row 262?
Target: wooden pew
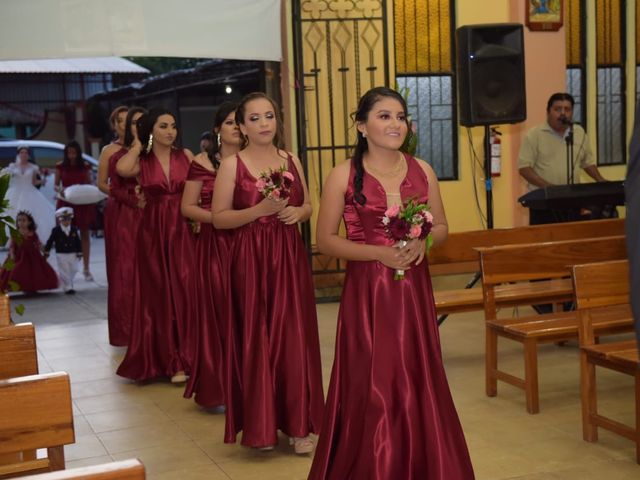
column 502, row 268
column 123, row 470
column 459, row 254
column 18, row 354
column 36, row 414
column 601, row 286
column 5, row 310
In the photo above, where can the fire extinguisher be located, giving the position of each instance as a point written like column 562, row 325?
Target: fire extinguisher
column 496, row 152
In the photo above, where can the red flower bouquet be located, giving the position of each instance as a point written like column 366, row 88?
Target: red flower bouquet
column 408, row 222
column 275, row 184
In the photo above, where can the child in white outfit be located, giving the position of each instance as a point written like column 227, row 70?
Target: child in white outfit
column 66, row 240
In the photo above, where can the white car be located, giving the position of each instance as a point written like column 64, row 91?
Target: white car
column 45, row 155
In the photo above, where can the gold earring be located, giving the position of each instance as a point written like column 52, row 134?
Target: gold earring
column 149, row 143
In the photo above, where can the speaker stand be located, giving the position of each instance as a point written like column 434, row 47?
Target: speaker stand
column 488, row 183
column 488, row 188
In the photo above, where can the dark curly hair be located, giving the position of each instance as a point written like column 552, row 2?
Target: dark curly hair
column 222, row 113
column 32, row 226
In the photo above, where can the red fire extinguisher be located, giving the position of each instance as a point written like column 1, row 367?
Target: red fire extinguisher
column 496, row 152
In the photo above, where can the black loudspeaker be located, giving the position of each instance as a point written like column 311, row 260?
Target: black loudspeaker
column 491, row 86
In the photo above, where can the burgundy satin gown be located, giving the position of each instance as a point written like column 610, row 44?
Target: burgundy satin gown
column 165, row 313
column 389, row 412
column 274, row 378
column 212, row 254
column 30, row 271
column 83, row 215
column 121, row 220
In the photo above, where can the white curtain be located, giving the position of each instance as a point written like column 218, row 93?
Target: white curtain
column 232, row 29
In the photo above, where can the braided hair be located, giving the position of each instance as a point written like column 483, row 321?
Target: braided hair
column 366, row 103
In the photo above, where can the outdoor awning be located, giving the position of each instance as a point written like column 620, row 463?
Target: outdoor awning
column 232, row 29
column 71, row 65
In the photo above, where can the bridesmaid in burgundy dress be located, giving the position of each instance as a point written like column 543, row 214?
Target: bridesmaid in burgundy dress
column 273, row 373
column 30, row 271
column 117, row 120
column 73, row 170
column 122, row 216
column 212, row 253
column 389, row 410
column 164, row 314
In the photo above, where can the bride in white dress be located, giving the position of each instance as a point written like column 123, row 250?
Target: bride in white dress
column 23, row 194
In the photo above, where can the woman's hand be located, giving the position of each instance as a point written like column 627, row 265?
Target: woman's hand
column 413, row 252
column 392, row 257
column 291, row 215
column 268, row 207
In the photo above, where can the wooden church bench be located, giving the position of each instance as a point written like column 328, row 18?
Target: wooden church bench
column 36, row 414
column 512, row 267
column 600, row 286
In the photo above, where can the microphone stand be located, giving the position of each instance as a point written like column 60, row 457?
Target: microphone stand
column 568, row 138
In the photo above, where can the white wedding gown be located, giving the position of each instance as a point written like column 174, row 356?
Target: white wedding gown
column 22, row 195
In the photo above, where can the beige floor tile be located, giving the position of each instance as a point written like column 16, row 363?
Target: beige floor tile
column 204, row 472
column 183, row 456
column 87, row 462
column 92, row 388
column 125, row 418
column 86, row 446
column 112, row 401
column 81, row 426
column 159, row 434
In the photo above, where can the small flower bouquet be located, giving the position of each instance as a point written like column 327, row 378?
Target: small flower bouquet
column 407, row 222
column 275, row 184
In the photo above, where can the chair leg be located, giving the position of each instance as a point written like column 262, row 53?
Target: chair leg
column 531, row 375
column 56, row 458
column 491, row 361
column 589, row 398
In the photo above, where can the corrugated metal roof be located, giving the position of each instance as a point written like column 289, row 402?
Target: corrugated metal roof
column 72, row 65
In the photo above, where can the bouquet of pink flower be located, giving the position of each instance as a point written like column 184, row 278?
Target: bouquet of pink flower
column 275, row 184
column 408, row 222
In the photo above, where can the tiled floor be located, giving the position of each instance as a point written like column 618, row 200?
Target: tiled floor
column 116, row 419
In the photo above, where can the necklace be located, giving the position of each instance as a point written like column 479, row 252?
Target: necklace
column 391, row 173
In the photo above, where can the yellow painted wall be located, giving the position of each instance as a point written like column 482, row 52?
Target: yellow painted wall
column 545, row 74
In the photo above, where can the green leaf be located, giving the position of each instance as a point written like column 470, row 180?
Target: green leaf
column 9, row 264
column 20, row 309
column 429, row 243
column 13, row 286
column 4, row 184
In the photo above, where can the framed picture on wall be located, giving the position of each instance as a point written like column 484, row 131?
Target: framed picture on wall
column 544, row 15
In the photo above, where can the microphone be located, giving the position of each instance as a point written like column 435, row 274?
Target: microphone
column 566, row 121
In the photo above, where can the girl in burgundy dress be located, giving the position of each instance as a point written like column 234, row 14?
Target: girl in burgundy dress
column 123, row 213
column 73, row 170
column 212, row 255
column 162, row 336
column 117, row 120
column 31, row 271
column 389, row 411
column 273, row 375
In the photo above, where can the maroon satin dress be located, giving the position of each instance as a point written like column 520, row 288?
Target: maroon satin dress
column 389, row 411
column 212, row 254
column 30, row 271
column 83, row 215
column 164, row 311
column 121, row 220
column 274, row 378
